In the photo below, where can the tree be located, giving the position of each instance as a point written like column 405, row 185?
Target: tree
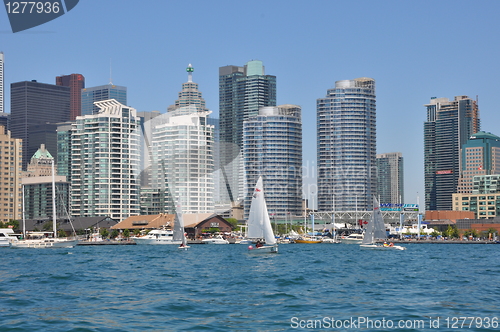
column 233, row 222
column 61, row 233
column 137, row 231
column 435, row 233
column 104, row 233
column 126, row 233
column 114, row 233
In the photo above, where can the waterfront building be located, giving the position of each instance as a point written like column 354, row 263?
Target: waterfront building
column 2, row 101
column 346, row 146
column 448, row 127
column 242, row 92
column 100, row 93
column 38, row 193
column 64, row 150
column 35, row 108
column 272, row 148
column 479, row 156
column 105, row 162
column 75, row 82
column 182, row 152
column 484, row 200
column 390, row 179
column 10, row 187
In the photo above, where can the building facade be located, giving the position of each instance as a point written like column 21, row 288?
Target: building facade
column 2, row 102
column 11, row 186
column 484, row 200
column 479, row 156
column 390, row 178
column 35, row 108
column 272, row 148
column 105, row 162
column 75, row 82
column 346, row 146
column 448, row 127
column 242, row 92
column 100, row 93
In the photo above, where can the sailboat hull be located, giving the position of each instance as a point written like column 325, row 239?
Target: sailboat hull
column 46, row 243
column 264, row 250
column 379, row 247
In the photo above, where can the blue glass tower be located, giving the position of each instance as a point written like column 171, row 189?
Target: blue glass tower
column 99, row 93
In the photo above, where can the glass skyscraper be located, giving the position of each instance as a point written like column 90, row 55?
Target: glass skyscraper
column 448, row 127
column 99, row 93
column 390, row 188
column 76, row 82
column 2, row 109
column 242, row 92
column 272, row 147
column 105, row 162
column 346, row 146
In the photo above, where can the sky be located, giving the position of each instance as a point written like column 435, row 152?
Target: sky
column 414, row 50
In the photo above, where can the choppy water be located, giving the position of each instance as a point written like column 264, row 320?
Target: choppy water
column 223, row 288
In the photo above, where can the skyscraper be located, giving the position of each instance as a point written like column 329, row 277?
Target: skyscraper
column 272, row 147
column 479, row 156
column 242, row 92
column 10, row 186
column 346, row 146
column 105, row 162
column 35, row 108
column 182, row 152
column 75, row 82
column 2, row 109
column 448, row 127
column 390, row 185
column 99, row 93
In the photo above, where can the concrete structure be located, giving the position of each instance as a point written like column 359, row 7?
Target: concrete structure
column 484, row 201
column 479, row 156
column 390, row 178
column 105, row 162
column 2, row 100
column 10, row 186
column 272, row 148
column 346, row 146
column 242, row 92
column 100, row 93
column 448, row 127
column 75, row 82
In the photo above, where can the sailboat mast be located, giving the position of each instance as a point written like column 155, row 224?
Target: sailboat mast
column 24, row 217
column 54, row 199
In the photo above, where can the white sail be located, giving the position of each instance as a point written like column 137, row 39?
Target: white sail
column 375, row 228
column 179, row 226
column 259, row 223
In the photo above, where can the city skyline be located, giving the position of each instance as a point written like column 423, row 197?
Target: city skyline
column 410, row 61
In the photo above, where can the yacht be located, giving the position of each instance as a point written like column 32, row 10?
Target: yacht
column 353, row 238
column 7, row 237
column 156, row 236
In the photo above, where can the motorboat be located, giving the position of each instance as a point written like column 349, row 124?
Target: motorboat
column 215, row 240
column 353, row 238
column 7, row 237
column 157, row 236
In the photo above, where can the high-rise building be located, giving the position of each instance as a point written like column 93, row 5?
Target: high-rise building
column 272, row 148
column 75, row 82
column 37, row 182
column 10, row 186
column 390, row 180
column 479, row 156
column 99, row 93
column 35, row 107
column 346, row 146
column 242, row 92
column 63, row 161
column 182, row 152
column 105, row 162
column 448, row 127
column 2, row 102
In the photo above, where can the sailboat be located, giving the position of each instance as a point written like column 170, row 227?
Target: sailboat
column 179, row 234
column 42, row 241
column 376, row 230
column 259, row 223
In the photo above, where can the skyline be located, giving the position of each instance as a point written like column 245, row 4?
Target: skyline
column 307, row 46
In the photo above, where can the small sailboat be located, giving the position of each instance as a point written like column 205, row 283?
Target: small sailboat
column 259, row 223
column 179, row 234
column 376, row 230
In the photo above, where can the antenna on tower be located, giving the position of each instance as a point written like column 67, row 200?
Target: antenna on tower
column 110, row 73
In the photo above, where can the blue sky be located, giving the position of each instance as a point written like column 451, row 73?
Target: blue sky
column 414, row 50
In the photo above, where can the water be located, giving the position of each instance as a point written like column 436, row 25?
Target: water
column 223, row 288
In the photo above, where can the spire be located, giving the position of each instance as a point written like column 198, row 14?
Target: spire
column 190, row 70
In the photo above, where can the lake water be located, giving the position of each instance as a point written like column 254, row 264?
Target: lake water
column 223, row 288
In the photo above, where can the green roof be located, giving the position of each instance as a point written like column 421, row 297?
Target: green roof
column 483, row 135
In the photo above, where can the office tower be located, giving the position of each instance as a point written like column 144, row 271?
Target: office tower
column 483, row 199
column 37, row 182
column 272, row 148
column 390, row 180
column 99, row 93
column 10, row 187
column 242, row 92
column 346, row 146
column 448, row 127
column 479, row 156
column 105, row 162
column 63, row 162
column 2, row 102
column 75, row 82
column 35, row 107
column 182, row 152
